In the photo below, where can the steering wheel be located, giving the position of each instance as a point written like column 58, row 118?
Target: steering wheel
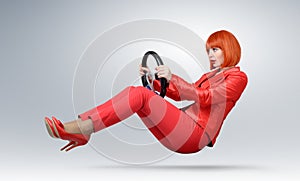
column 145, row 80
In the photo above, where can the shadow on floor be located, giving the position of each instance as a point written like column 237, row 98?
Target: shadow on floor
column 185, row 167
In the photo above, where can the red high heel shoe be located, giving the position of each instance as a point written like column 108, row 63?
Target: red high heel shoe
column 56, row 130
column 50, row 128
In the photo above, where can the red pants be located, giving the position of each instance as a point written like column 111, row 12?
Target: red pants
column 171, row 126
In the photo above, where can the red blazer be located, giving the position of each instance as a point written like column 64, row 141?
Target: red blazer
column 214, row 95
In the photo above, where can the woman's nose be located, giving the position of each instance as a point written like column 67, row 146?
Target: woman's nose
column 210, row 53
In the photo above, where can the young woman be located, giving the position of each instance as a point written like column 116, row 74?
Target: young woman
column 185, row 130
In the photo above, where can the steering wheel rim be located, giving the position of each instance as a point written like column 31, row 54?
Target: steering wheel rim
column 163, row 81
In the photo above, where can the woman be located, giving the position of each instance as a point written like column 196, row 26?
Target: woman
column 186, row 130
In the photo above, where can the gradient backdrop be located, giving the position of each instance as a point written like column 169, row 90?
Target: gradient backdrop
column 41, row 43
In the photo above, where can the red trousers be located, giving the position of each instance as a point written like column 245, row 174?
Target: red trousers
column 170, row 125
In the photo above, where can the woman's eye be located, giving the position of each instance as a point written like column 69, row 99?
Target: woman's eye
column 215, row 49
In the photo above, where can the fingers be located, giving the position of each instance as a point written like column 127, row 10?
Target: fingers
column 164, row 72
column 143, row 70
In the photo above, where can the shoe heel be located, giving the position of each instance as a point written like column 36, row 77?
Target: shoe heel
column 74, row 139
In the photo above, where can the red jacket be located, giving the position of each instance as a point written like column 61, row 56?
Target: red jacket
column 214, row 95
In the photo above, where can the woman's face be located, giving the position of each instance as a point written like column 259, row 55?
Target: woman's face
column 216, row 57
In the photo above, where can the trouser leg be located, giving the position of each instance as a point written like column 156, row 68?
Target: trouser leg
column 171, row 126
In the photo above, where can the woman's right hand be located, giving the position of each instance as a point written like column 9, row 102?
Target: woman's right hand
column 144, row 70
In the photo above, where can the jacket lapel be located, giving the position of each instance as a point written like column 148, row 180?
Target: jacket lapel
column 209, row 78
column 205, row 77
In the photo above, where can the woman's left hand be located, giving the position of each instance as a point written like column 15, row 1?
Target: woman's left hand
column 164, row 71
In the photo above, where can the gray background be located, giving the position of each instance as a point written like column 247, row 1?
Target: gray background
column 41, row 43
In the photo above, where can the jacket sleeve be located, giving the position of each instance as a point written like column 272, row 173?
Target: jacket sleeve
column 172, row 91
column 229, row 87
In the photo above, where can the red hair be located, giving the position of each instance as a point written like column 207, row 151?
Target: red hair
column 230, row 46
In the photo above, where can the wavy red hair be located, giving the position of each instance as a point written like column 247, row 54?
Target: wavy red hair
column 228, row 43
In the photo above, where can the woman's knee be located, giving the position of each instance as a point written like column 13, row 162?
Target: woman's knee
column 140, row 90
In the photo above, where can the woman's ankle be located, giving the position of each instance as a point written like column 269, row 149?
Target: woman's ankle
column 78, row 126
column 86, row 127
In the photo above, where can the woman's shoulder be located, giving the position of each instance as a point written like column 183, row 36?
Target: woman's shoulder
column 236, row 76
column 235, row 71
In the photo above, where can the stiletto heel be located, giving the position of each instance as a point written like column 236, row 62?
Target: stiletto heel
column 56, row 130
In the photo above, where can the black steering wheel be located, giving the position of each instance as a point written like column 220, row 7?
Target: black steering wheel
column 146, row 82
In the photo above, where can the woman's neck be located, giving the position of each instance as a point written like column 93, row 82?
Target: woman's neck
column 218, row 70
column 221, row 69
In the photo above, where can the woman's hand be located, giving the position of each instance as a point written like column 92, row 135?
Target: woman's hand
column 144, row 70
column 164, row 71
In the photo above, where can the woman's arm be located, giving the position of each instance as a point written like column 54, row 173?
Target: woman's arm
column 231, row 87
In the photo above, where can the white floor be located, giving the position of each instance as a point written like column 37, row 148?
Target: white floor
column 161, row 172
column 83, row 164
